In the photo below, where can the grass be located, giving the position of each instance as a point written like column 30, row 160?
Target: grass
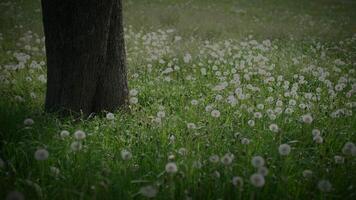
column 282, row 51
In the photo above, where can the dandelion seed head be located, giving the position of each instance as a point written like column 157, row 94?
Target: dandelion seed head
column 41, row 154
column 148, row 191
column 237, row 181
column 257, row 161
column 79, row 135
column 257, row 180
column 324, row 186
column 284, row 149
column 125, row 154
column 171, row 168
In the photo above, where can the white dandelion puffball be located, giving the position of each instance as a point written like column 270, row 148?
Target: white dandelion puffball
column 148, row 191
column 79, row 135
column 64, row 134
column 318, row 139
column 76, row 146
column 183, row 151
column 245, row 141
column 348, row 148
column 194, row 102
column 41, row 154
column 215, row 113
column 237, row 181
column 191, row 126
column 55, row 171
column 171, row 168
column 216, row 174
column 171, row 157
column 226, row 159
column 133, row 100
column 28, row 122
column 15, row 195
column 208, row 108
column 257, row 161
column 339, row 159
column 161, row 114
column 257, row 180
column 110, row 116
column 324, row 186
column 284, row 149
column 251, row 123
column 315, row 132
column 307, row 173
column 126, row 155
column 274, row 128
column 133, row 92
column 263, row 171
column 214, row 158
column 308, row 119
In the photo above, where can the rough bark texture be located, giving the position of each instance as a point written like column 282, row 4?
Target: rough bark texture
column 85, row 55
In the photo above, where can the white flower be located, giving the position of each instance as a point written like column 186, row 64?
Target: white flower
column 133, row 100
column 191, row 126
column 187, row 58
column 64, row 134
column 315, row 132
column 257, row 115
column 133, row 92
column 171, row 168
column 194, row 102
column 171, row 157
column 251, row 123
column 79, row 135
column 41, row 154
column 148, row 191
column 318, row 139
column 274, row 128
column 227, row 159
column 245, row 141
column 257, row 180
column 307, row 173
column 28, row 122
column 284, row 149
column 54, row 170
column 237, row 181
column 348, row 148
column 215, row 113
column 110, row 116
column 208, row 108
column 76, row 146
column 183, row 151
column 263, row 171
column 339, row 159
column 257, row 161
column 214, row 158
column 308, row 119
column 161, row 114
column 324, row 186
column 125, row 154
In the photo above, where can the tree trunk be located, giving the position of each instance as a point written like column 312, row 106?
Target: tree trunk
column 86, row 69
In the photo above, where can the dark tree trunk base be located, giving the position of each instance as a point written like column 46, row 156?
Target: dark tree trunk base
column 85, row 55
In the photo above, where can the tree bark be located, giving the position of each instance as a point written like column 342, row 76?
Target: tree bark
column 85, row 50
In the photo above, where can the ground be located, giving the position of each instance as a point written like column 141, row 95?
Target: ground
column 228, row 100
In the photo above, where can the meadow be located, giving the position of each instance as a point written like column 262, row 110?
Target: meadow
column 244, row 99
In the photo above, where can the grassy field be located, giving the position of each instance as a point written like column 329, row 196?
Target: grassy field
column 229, row 99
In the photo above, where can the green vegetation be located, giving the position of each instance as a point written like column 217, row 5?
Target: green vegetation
column 214, row 85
